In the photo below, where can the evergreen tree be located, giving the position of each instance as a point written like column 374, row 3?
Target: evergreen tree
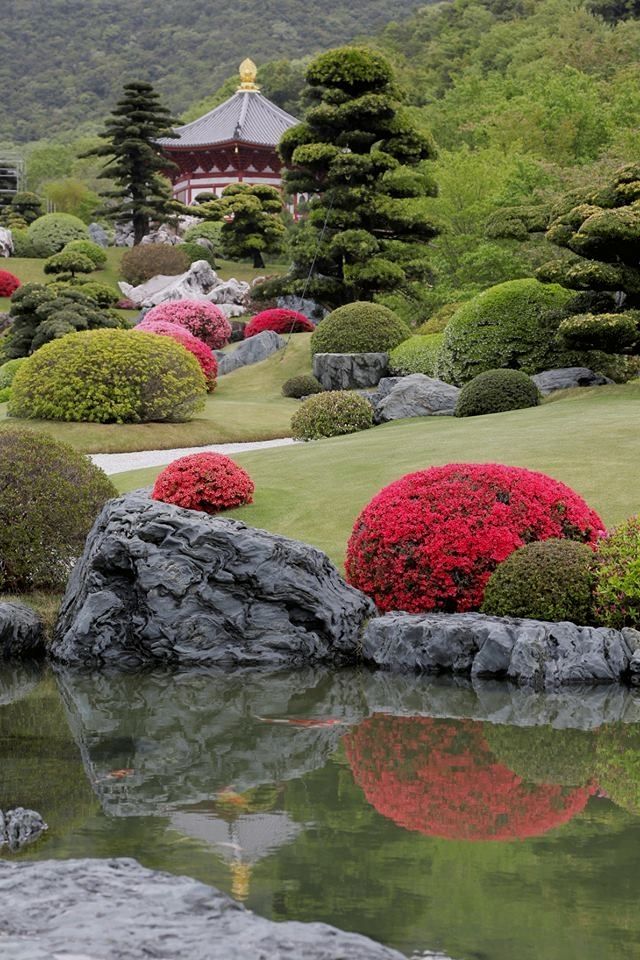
column 252, row 220
column 361, row 161
column 136, row 161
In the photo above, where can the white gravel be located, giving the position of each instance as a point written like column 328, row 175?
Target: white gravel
column 120, row 462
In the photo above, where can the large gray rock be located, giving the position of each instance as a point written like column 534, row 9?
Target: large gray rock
column 21, row 632
column 414, row 396
column 311, row 309
column 350, row 371
column 119, row 910
column 98, row 234
column 231, row 291
column 6, row 242
column 158, row 583
column 250, row 351
column 195, row 284
column 564, row 378
column 531, row 653
column 19, row 828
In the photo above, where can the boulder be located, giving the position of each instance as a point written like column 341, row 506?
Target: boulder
column 19, row 828
column 250, row 351
column 231, row 291
column 311, row 309
column 21, row 632
column 564, row 378
column 6, row 242
column 121, row 910
column 123, row 235
column 161, row 584
column 414, row 396
column 195, row 284
column 232, row 310
column 162, row 234
column 350, row 371
column 98, row 234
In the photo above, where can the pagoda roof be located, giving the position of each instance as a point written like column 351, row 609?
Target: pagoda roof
column 246, row 117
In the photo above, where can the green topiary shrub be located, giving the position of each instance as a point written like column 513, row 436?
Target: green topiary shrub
column 296, row 387
column 22, row 245
column 617, row 588
column 8, row 371
column 359, row 327
column 207, row 230
column 99, row 293
column 68, row 263
column 149, row 260
column 546, row 580
column 195, row 252
column 618, row 332
column 496, row 391
column 330, row 414
column 416, row 355
column 50, row 496
column 439, row 319
column 109, row 376
column 50, row 233
column 89, row 249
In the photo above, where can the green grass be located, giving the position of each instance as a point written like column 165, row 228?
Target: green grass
column 589, row 439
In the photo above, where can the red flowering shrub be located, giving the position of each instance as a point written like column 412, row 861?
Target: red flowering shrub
column 204, row 481
column 125, row 304
column 431, row 540
column 439, row 777
column 280, row 321
column 8, row 283
column 201, row 318
column 202, row 353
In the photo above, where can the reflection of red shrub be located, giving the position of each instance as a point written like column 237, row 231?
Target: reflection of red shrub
column 8, row 283
column 431, row 540
column 202, row 353
column 439, row 777
column 280, row 321
column 204, row 481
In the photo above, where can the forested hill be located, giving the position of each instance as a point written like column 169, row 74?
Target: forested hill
column 63, row 62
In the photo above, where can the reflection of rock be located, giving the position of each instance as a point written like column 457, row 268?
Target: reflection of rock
column 250, row 351
column 18, row 680
column 117, row 908
column 20, row 827
column 21, row 632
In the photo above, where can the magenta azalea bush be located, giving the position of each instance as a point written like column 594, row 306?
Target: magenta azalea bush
column 201, row 318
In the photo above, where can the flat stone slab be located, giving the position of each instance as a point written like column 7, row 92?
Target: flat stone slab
column 21, row 632
column 565, row 378
column 350, row 371
column 119, row 910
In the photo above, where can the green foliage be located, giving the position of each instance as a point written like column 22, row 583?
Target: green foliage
column 147, row 260
column 611, row 332
column 296, row 387
column 617, row 589
column 89, row 249
column 418, row 354
column 109, row 376
column 549, row 580
column 68, row 263
column 22, row 245
column 5, row 394
column 195, row 252
column 100, row 293
column 50, row 496
column 72, row 195
column 27, row 205
column 53, row 231
column 545, row 754
column 359, row 327
column 8, row 371
column 331, row 414
column 439, row 319
column 495, row 391
column 207, row 230
column 618, row 764
column 251, row 216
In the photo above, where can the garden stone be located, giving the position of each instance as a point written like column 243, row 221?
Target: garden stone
column 123, row 235
column 90, row 909
column 161, row 584
column 232, row 310
column 416, row 396
column 20, row 827
column 564, row 378
column 162, row 234
column 231, row 291
column 6, row 242
column 21, row 632
column 311, row 309
column 98, row 234
column 350, row 371
column 250, row 351
column 195, row 284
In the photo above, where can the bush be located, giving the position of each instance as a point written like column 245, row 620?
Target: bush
column 68, row 263
column 202, row 353
column 5, row 394
column 149, row 260
column 50, row 233
column 551, row 580
column 88, row 249
column 204, row 481
column 359, row 327
column 612, row 332
column 617, row 588
column 431, row 540
column 280, row 321
column 8, row 283
column 416, row 355
column 439, row 319
column 201, row 318
column 8, row 371
column 22, row 244
column 330, row 414
column 297, row 387
column 50, row 496
column 109, row 376
column 99, row 293
column 207, row 230
column 195, row 252
column 496, row 391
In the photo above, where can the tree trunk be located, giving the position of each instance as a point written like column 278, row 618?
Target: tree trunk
column 140, row 227
column 257, row 259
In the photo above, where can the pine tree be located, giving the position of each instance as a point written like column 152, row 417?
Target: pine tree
column 252, row 221
column 136, row 161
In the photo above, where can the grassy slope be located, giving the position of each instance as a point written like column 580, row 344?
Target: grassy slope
column 313, row 492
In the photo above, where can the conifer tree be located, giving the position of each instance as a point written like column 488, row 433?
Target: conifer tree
column 252, row 220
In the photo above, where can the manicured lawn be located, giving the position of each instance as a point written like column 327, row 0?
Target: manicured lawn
column 587, row 438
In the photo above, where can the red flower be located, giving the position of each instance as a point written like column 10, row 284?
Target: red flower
column 204, row 481
column 8, row 283
column 198, row 348
column 431, row 540
column 201, row 318
column 280, row 321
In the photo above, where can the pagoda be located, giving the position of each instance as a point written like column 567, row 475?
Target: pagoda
column 233, row 143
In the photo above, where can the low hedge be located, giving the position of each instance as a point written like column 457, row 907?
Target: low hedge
column 331, row 414
column 296, row 387
column 418, row 354
column 496, row 391
column 359, row 327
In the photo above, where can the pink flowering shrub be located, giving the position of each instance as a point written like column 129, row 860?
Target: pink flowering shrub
column 202, row 353
column 201, row 318
column 280, row 321
column 209, row 482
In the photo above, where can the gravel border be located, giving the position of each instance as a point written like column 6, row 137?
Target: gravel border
column 113, row 463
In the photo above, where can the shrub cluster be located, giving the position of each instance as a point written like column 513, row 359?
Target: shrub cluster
column 202, row 353
column 496, row 391
column 209, row 482
column 303, row 386
column 617, row 587
column 280, row 321
column 431, row 540
column 53, row 231
column 100, row 293
column 196, row 252
column 8, row 371
column 8, row 283
column 109, row 376
column 89, row 249
column 330, row 414
column 439, row 319
column 359, row 327
column 50, row 496
column 148, row 260
column 204, row 320
column 418, row 354
column 614, row 332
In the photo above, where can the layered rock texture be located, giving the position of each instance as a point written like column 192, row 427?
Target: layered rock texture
column 250, row 351
column 566, row 378
column 21, row 632
column 350, row 371
column 414, row 396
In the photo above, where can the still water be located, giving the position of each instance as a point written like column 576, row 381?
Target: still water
column 485, row 822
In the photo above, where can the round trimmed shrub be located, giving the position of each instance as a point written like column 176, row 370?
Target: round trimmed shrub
column 549, row 580
column 331, row 414
column 617, row 587
column 109, row 376
column 100, row 293
column 53, row 231
column 195, row 252
column 202, row 353
column 88, row 249
column 8, row 371
column 416, row 355
column 298, row 387
column 280, row 321
column 496, row 391
column 148, row 260
column 431, row 540
column 8, row 283
column 204, row 320
column 359, row 327
column 50, row 496
column 209, row 482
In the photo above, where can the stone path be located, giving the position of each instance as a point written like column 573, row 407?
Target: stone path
column 120, row 462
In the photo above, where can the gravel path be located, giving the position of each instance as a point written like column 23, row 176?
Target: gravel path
column 121, row 462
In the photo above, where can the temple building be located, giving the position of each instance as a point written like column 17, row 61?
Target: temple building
column 233, row 143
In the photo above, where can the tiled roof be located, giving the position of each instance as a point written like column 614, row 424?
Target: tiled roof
column 247, row 116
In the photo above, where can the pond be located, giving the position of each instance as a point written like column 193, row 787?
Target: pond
column 481, row 821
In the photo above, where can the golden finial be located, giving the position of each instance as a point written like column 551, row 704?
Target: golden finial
column 248, row 74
